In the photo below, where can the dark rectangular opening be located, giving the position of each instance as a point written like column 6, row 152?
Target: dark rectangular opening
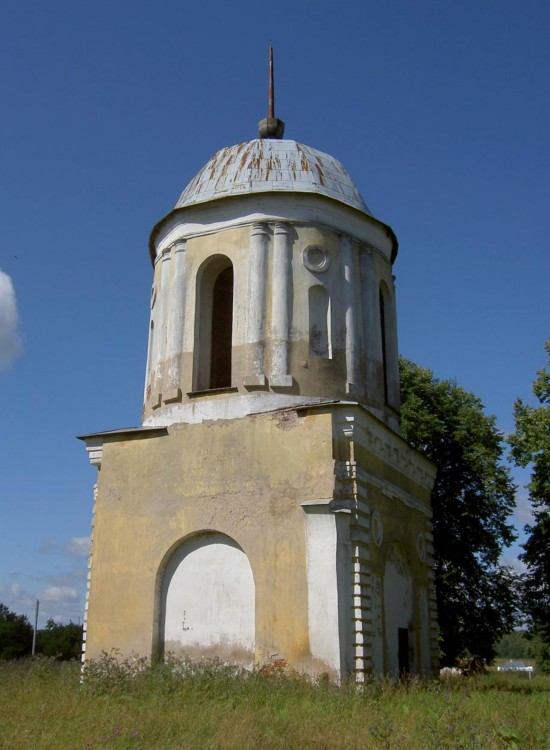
column 403, row 651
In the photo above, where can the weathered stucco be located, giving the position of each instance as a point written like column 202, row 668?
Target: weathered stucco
column 272, row 350
column 258, row 480
column 267, row 509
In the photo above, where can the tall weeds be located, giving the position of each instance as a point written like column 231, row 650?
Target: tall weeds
column 129, row 703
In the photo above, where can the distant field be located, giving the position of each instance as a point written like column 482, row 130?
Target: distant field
column 44, row 705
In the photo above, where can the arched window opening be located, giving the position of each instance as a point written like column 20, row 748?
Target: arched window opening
column 214, row 324
column 222, row 330
column 319, row 322
column 383, row 335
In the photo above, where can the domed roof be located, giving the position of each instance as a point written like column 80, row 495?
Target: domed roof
column 267, row 165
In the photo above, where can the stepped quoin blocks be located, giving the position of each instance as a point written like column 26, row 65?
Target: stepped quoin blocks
column 267, row 508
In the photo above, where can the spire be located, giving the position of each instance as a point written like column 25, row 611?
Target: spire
column 271, row 126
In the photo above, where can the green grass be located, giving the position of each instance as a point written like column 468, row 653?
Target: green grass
column 43, row 704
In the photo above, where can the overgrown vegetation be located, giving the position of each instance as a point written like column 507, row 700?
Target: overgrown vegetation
column 129, row 704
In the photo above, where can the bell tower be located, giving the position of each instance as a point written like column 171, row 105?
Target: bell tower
column 267, row 507
column 272, row 287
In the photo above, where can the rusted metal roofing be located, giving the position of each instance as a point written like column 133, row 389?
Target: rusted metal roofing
column 261, row 166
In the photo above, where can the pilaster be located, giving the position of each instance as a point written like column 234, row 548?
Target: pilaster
column 176, row 321
column 281, row 306
column 353, row 326
column 159, row 345
column 255, row 333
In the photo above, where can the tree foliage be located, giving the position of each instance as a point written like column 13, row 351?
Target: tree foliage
column 513, row 645
column 61, row 642
column 472, row 500
column 15, row 634
column 531, row 447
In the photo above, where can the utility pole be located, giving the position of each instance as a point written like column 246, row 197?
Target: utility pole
column 35, row 627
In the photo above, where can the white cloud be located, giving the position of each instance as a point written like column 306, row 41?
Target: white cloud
column 60, row 594
column 10, row 589
column 523, row 512
column 70, row 578
column 78, row 546
column 10, row 341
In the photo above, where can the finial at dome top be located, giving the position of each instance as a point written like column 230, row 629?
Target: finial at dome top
column 271, row 126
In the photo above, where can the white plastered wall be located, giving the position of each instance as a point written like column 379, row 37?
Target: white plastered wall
column 208, row 599
column 328, row 586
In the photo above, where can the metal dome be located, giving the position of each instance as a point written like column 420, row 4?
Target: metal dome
column 265, row 165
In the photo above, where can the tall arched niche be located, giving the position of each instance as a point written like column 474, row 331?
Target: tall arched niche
column 398, row 613
column 207, row 600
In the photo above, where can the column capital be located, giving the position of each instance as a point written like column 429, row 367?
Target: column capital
column 260, row 228
column 281, row 227
column 180, row 246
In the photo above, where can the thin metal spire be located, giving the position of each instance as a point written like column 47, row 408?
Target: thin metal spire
column 271, row 90
column 271, row 127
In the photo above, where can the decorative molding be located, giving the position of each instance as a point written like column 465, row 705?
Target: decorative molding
column 208, row 392
column 94, row 449
column 386, row 445
column 393, row 492
column 172, row 396
column 316, row 259
column 179, row 246
column 255, row 381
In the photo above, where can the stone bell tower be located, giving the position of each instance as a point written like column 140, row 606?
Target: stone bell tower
column 267, row 507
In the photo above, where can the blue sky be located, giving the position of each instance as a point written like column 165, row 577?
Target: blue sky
column 439, row 110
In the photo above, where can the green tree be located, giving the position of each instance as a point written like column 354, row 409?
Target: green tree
column 15, row 634
column 472, row 499
column 61, row 642
column 513, row 645
column 539, row 650
column 531, row 447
